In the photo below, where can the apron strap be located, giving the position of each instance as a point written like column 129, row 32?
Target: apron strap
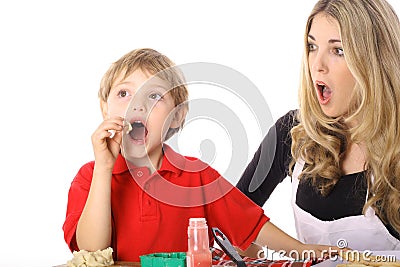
column 369, row 212
column 298, row 168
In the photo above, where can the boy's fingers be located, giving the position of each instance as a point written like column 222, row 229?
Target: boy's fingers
column 117, row 137
column 110, row 127
column 115, row 141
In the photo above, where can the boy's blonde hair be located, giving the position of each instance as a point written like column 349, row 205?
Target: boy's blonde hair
column 151, row 62
column 370, row 35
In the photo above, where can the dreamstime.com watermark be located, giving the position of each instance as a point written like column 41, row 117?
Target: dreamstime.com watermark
column 331, row 253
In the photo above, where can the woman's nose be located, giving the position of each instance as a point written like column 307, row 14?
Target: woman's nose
column 319, row 64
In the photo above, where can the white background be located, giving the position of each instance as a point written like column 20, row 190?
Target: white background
column 52, row 57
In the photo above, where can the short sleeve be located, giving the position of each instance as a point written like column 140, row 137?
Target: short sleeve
column 77, row 196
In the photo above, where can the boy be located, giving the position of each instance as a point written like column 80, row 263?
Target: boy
column 138, row 194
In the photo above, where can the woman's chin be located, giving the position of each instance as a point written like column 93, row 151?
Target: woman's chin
column 331, row 112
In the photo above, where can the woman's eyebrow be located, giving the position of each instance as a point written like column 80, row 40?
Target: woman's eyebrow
column 331, row 41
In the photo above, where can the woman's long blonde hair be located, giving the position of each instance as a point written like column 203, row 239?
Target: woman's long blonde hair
column 370, row 34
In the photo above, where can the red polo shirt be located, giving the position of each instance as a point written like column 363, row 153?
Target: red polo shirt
column 151, row 212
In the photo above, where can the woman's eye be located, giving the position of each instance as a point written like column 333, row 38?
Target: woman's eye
column 123, row 93
column 311, row 47
column 339, row 51
column 155, row 96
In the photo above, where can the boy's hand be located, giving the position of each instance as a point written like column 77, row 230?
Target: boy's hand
column 106, row 141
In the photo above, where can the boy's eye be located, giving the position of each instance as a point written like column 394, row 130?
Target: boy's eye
column 123, row 93
column 155, row 96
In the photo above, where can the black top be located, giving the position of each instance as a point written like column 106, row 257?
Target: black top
column 269, row 167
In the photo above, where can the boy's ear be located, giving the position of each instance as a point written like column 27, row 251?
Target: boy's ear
column 104, row 108
column 179, row 116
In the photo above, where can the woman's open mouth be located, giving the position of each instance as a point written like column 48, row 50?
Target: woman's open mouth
column 324, row 92
column 138, row 132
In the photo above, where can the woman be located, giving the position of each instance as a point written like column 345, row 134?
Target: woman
column 342, row 147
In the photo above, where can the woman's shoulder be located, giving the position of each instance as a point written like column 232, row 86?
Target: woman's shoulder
column 284, row 125
column 288, row 121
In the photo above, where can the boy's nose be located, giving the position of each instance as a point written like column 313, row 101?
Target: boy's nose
column 138, row 108
column 138, row 103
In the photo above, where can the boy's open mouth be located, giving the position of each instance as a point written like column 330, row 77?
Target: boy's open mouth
column 138, row 131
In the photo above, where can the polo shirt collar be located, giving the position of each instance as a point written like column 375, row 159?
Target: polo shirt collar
column 171, row 162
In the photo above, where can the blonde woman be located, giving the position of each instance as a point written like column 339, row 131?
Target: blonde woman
column 342, row 147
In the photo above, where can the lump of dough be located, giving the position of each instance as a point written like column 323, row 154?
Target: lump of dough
column 85, row 258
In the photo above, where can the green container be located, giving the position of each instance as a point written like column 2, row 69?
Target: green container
column 173, row 259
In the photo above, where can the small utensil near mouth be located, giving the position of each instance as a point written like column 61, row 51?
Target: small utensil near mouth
column 227, row 247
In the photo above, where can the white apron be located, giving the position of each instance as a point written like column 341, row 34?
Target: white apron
column 362, row 232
